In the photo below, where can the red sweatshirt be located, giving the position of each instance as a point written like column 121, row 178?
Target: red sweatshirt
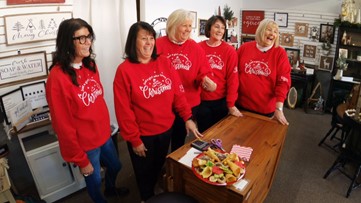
column 191, row 64
column 79, row 115
column 264, row 78
column 223, row 61
column 145, row 96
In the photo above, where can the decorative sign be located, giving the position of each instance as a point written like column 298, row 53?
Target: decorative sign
column 8, row 101
column 36, row 94
column 13, row 2
column 21, row 114
column 301, row 29
column 33, row 27
column 250, row 21
column 309, row 51
column 14, row 69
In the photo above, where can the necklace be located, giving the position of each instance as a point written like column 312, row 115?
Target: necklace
column 178, row 43
column 215, row 44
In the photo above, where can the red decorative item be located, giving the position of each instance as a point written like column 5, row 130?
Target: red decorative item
column 13, row 2
column 250, row 21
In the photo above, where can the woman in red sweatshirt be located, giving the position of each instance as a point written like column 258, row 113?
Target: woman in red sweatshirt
column 79, row 114
column 146, row 90
column 189, row 60
column 223, row 60
column 264, row 73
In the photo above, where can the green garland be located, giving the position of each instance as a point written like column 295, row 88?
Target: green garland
column 339, row 23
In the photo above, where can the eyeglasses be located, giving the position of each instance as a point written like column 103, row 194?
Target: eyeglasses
column 83, row 38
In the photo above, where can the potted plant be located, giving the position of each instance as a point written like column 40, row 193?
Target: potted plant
column 342, row 65
column 326, row 47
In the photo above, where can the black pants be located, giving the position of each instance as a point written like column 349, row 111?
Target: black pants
column 210, row 112
column 147, row 169
column 179, row 130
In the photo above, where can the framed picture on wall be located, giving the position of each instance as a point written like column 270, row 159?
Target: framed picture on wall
column 326, row 63
column 301, row 29
column 281, row 19
column 309, row 51
column 327, row 33
column 287, row 39
column 202, row 27
column 293, row 55
column 194, row 23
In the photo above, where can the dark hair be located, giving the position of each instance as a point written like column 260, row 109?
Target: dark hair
column 211, row 21
column 65, row 48
column 131, row 44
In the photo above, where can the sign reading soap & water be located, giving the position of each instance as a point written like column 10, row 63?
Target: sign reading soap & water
column 23, row 67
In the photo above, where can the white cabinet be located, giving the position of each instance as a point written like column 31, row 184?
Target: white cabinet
column 54, row 178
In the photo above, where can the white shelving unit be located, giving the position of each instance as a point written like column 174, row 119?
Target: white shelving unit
column 54, row 178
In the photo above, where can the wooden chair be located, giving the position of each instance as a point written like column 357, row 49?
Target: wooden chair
column 338, row 111
column 350, row 153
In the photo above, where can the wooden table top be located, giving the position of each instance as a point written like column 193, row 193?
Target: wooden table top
column 264, row 135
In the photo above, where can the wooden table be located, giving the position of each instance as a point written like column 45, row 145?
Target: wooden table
column 264, row 135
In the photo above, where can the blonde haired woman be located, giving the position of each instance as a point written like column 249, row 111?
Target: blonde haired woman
column 264, row 73
column 190, row 62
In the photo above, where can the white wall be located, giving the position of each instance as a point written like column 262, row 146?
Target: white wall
column 153, row 9
column 328, row 6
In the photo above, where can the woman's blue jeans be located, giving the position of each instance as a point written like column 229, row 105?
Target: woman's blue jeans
column 107, row 156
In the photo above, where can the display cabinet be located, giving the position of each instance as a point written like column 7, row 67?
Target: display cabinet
column 349, row 47
column 54, row 178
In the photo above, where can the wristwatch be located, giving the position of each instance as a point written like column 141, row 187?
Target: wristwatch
column 279, row 108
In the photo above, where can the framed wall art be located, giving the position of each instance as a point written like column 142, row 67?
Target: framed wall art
column 293, row 55
column 309, row 51
column 250, row 21
column 194, row 23
column 33, row 27
column 287, row 39
column 35, row 92
column 301, row 29
column 9, row 101
column 327, row 33
column 343, row 53
column 23, row 67
column 326, row 63
column 13, row 2
column 281, row 19
column 202, row 27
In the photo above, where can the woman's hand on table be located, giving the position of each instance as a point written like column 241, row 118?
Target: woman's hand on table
column 280, row 117
column 208, row 84
column 234, row 111
column 140, row 150
column 192, row 127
